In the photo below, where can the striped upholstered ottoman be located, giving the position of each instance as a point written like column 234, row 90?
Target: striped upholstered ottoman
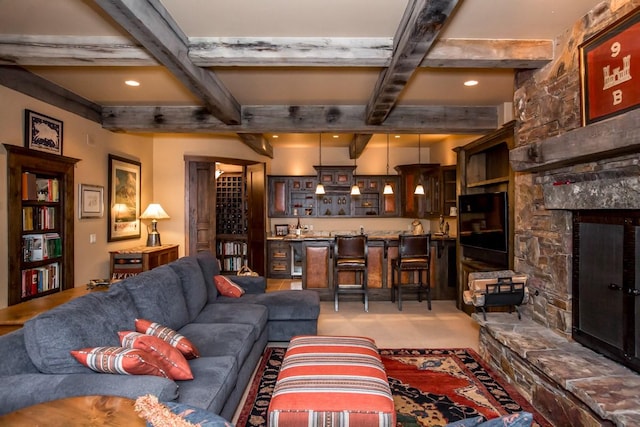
column 332, row 381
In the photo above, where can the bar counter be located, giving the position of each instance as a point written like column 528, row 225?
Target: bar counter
column 316, row 262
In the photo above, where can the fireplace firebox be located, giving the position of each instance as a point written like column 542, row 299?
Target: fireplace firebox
column 606, row 283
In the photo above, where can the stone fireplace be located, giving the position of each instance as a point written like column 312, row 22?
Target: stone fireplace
column 562, row 169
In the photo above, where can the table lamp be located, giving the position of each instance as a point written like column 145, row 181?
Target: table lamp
column 154, row 212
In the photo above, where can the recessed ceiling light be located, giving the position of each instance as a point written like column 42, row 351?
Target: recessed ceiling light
column 132, row 83
column 336, row 136
column 471, row 83
column 276, row 136
column 397, row 136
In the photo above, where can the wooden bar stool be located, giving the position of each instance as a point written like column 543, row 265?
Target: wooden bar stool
column 350, row 254
column 414, row 256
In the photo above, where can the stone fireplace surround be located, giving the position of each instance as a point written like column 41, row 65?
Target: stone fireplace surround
column 594, row 167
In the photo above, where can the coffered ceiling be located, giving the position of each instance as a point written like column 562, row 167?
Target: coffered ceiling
column 288, row 67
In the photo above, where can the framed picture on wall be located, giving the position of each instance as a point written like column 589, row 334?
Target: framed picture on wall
column 282, row 229
column 124, row 199
column 607, row 64
column 42, row 133
column 91, row 201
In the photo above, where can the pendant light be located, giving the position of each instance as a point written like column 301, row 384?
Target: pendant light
column 419, row 188
column 388, row 189
column 320, row 187
column 355, row 190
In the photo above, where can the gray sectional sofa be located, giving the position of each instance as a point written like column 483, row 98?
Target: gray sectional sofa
column 230, row 333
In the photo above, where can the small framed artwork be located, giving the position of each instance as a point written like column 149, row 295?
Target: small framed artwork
column 124, row 199
column 91, row 201
column 606, row 63
column 42, row 133
column 282, row 229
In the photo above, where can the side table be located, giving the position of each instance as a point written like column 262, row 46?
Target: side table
column 132, row 261
column 77, row 411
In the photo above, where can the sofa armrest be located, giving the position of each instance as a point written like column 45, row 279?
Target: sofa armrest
column 251, row 284
column 19, row 391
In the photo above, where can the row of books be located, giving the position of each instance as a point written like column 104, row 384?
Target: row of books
column 38, row 247
column 38, row 218
column 40, row 189
column 232, row 248
column 232, row 264
column 41, row 279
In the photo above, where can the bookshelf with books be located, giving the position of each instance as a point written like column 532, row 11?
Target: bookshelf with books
column 40, row 215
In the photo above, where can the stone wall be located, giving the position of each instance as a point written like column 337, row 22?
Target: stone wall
column 547, row 103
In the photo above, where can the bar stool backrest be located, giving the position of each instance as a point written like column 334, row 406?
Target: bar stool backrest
column 348, row 246
column 414, row 246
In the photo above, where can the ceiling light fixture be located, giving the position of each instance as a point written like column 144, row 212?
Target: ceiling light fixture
column 320, row 187
column 355, row 190
column 388, row 189
column 419, row 188
column 470, row 83
column 132, row 83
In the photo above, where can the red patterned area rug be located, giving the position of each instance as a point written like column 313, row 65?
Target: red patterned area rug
column 430, row 388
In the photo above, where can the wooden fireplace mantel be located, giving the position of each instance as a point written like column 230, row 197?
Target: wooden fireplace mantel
column 616, row 136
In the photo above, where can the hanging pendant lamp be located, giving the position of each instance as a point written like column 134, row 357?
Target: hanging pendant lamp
column 320, row 187
column 388, row 189
column 355, row 190
column 419, row 188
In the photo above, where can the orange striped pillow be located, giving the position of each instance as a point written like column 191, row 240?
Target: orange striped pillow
column 120, row 360
column 227, row 288
column 176, row 340
column 172, row 360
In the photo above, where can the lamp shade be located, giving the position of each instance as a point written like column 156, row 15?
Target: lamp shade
column 388, row 189
column 355, row 190
column 154, row 211
column 419, row 190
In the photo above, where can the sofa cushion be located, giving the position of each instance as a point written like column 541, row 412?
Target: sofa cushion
column 209, row 266
column 14, row 356
column 283, row 305
column 193, row 284
column 173, row 362
column 92, row 320
column 159, row 297
column 226, row 287
column 120, row 360
column 214, row 379
column 167, row 334
column 221, row 339
column 255, row 315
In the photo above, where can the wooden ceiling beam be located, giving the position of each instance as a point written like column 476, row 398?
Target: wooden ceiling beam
column 422, row 22
column 151, row 25
column 358, row 144
column 258, row 143
column 25, row 82
column 97, row 51
column 306, row 119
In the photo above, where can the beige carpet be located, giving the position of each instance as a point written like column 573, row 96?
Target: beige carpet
column 414, row 327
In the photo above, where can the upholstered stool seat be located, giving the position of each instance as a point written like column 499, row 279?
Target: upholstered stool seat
column 332, row 381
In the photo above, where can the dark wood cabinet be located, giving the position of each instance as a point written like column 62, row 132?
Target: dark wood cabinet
column 130, row 262
column 483, row 167
column 428, row 204
column 40, row 213
column 294, row 196
column 278, row 259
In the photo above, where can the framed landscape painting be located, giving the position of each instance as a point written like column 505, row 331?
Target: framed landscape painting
column 124, row 199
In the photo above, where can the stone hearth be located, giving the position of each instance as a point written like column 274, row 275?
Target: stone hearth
column 568, row 383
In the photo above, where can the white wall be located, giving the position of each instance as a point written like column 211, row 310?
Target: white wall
column 163, row 177
column 91, row 260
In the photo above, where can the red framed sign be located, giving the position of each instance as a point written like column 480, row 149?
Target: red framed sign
column 610, row 70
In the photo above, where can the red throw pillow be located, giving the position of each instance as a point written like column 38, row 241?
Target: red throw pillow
column 174, row 362
column 227, row 288
column 120, row 360
column 176, row 340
